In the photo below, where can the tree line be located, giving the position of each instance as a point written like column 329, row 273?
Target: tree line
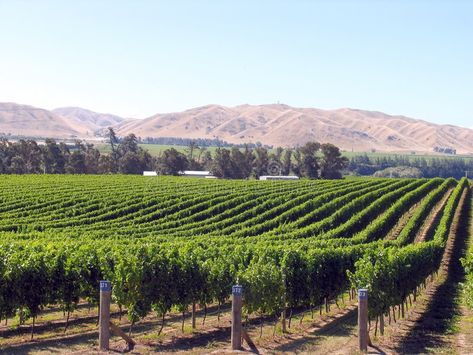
column 201, row 142
column 29, row 157
column 431, row 167
column 313, row 160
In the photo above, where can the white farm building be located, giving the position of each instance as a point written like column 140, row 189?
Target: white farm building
column 197, row 173
column 278, row 177
column 150, row 173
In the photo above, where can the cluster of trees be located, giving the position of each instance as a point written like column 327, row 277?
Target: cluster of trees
column 431, row 167
column 445, row 150
column 29, row 157
column 201, row 142
column 399, row 172
column 313, row 160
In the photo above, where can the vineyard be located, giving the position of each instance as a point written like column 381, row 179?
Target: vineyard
column 169, row 244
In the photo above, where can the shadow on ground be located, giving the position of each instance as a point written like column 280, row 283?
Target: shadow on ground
column 341, row 327
column 439, row 319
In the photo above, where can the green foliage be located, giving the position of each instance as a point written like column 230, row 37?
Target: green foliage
column 392, row 273
column 262, row 282
column 167, row 243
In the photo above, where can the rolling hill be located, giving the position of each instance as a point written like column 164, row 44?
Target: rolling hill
column 91, row 120
column 65, row 122
column 274, row 124
column 283, row 125
column 35, row 122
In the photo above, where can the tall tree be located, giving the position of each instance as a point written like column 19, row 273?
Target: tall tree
column 53, row 158
column 4, row 156
column 310, row 166
column 206, row 161
column 260, row 164
column 130, row 163
column 286, row 162
column 332, row 162
column 191, row 148
column 129, row 144
column 297, row 163
column 114, row 142
column 241, row 167
column 92, row 159
column 194, row 163
column 171, row 162
column 222, row 166
column 76, row 163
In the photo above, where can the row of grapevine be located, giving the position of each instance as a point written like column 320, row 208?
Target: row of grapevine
column 165, row 244
column 392, row 273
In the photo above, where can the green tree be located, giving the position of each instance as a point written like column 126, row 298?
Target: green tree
column 53, row 158
column 310, row 166
column 286, row 162
column 114, row 143
column 92, row 158
column 260, row 164
column 76, row 160
column 241, row 167
column 128, row 144
column 130, row 163
column 171, row 162
column 222, row 166
column 332, row 162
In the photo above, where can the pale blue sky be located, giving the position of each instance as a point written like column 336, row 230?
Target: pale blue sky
column 137, row 58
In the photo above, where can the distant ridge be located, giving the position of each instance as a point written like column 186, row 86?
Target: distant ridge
column 272, row 124
column 283, row 125
column 31, row 121
column 92, row 120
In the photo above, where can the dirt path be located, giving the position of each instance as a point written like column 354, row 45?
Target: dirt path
column 431, row 324
column 432, row 220
column 401, row 223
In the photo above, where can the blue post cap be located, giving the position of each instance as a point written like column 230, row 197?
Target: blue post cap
column 363, row 293
column 105, row 285
column 237, row 290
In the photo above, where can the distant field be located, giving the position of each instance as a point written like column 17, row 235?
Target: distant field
column 411, row 156
column 155, row 149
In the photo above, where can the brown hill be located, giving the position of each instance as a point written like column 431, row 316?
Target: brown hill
column 35, row 122
column 278, row 125
column 90, row 120
column 289, row 126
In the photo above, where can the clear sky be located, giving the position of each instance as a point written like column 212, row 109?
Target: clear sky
column 136, row 58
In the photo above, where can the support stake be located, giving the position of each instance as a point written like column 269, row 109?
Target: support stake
column 104, row 319
column 363, row 320
column 237, row 294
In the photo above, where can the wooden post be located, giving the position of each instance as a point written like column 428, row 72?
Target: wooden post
column 193, row 315
column 117, row 331
column 381, row 324
column 283, row 313
column 363, row 319
column 104, row 318
column 283, row 320
column 237, row 293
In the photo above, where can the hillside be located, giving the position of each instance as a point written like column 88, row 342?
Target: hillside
column 92, row 121
column 36, row 122
column 274, row 124
column 288, row 126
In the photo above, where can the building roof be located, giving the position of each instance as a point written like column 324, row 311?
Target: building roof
column 196, row 172
column 279, row 177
